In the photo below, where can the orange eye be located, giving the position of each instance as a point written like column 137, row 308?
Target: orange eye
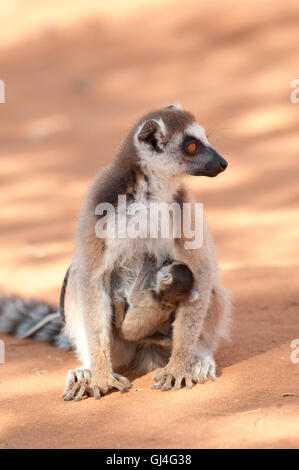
column 191, row 147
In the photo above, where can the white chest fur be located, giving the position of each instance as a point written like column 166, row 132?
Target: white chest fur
column 140, row 225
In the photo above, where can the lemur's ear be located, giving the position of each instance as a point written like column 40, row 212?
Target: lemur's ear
column 176, row 106
column 167, row 279
column 152, row 132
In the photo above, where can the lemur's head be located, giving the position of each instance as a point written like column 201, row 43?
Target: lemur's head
column 171, row 140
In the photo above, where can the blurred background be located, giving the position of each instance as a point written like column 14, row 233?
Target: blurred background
column 78, row 74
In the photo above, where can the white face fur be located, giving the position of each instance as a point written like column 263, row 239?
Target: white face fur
column 175, row 144
column 168, row 160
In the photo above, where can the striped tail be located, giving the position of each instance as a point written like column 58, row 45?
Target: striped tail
column 32, row 319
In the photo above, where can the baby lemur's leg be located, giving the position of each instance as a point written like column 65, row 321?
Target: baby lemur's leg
column 144, row 314
column 121, row 307
column 150, row 308
column 144, row 317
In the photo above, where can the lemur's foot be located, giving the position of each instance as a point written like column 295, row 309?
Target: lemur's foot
column 79, row 383
column 172, row 378
column 105, row 381
column 203, row 369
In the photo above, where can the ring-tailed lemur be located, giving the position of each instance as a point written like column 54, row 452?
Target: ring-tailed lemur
column 162, row 147
column 158, row 151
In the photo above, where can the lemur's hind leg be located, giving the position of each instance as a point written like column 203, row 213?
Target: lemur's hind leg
column 216, row 326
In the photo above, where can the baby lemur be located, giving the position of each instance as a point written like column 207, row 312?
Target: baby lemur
column 149, row 167
column 145, row 316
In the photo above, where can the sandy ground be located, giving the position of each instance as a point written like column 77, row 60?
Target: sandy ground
column 75, row 81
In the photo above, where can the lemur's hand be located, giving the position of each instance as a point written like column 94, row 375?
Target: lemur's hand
column 174, row 373
column 106, row 380
column 79, row 382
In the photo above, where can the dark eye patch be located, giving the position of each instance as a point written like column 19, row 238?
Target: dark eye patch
column 191, row 145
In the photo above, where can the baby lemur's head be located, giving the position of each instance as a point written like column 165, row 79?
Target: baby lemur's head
column 175, row 281
column 172, row 142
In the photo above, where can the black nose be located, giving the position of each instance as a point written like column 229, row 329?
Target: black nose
column 216, row 165
column 223, row 163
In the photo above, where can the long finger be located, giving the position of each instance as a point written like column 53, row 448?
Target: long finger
column 123, row 380
column 158, row 375
column 69, row 382
column 168, row 383
column 115, row 383
column 188, row 382
column 96, row 392
column 178, row 383
column 81, row 392
column 73, row 391
column 212, row 372
column 159, row 384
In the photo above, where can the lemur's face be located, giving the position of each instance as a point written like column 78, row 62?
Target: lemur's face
column 171, row 141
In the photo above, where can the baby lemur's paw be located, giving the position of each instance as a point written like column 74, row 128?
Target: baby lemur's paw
column 203, row 369
column 172, row 378
column 79, row 383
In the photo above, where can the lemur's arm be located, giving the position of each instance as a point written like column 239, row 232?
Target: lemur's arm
column 92, row 286
column 188, row 323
